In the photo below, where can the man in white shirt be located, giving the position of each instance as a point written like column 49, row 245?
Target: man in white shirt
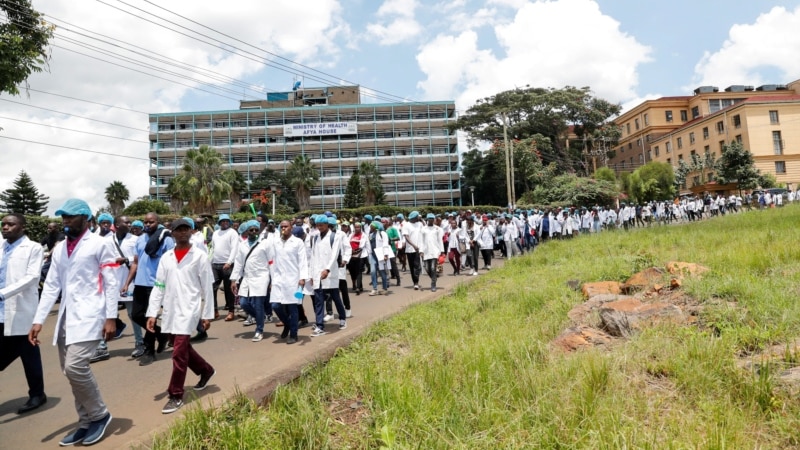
column 224, row 243
column 431, row 247
column 82, row 273
column 324, row 273
column 412, row 236
column 252, row 268
column 289, row 275
column 20, row 267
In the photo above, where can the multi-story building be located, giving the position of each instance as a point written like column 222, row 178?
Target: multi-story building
column 673, row 129
column 410, row 143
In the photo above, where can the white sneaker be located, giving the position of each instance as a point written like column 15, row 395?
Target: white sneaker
column 373, row 293
column 249, row 321
column 318, row 332
column 348, row 313
column 342, row 324
column 416, row 287
column 327, row 318
column 474, row 273
column 257, row 337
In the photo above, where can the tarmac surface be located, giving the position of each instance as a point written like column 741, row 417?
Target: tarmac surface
column 135, row 395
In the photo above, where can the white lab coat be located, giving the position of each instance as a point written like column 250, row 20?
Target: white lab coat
column 22, row 283
column 289, row 266
column 179, row 289
column 87, row 282
column 431, row 244
column 346, row 252
column 485, row 237
column 324, row 256
column 128, row 247
column 255, row 271
column 384, row 249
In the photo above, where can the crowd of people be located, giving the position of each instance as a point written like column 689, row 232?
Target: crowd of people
column 166, row 276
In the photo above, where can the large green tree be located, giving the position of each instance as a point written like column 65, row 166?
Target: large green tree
column 238, row 186
column 23, row 197
column 551, row 114
column 354, row 194
column 145, row 205
column 371, row 183
column 653, row 181
column 301, row 177
column 268, row 178
column 116, row 196
column 736, row 165
column 200, row 181
column 24, row 36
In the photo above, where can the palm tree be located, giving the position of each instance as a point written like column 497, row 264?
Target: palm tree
column 176, row 196
column 302, row 176
column 116, row 195
column 201, row 181
column 238, row 186
column 371, row 183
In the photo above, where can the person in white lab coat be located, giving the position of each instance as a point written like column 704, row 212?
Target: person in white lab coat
column 20, row 267
column 82, row 272
column 324, row 272
column 378, row 244
column 289, row 275
column 485, row 240
column 250, row 276
column 184, row 289
column 431, row 247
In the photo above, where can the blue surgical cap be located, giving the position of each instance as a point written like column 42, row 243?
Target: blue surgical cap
column 368, row 218
column 252, row 223
column 331, row 221
column 105, row 217
column 190, row 220
column 137, row 223
column 223, row 217
column 430, row 216
column 75, row 207
column 242, row 228
column 414, row 214
column 297, row 231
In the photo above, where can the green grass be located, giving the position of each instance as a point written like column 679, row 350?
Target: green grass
column 474, row 370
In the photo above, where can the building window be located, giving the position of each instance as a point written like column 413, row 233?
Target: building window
column 705, row 132
column 695, row 112
column 680, row 143
column 780, row 166
column 628, row 128
column 706, row 149
column 656, row 149
column 739, row 138
column 684, row 115
column 631, row 161
column 669, row 161
column 668, row 145
column 696, row 180
column 691, row 154
column 636, row 123
column 737, row 121
column 680, row 157
column 646, row 120
column 622, row 149
column 777, row 142
column 721, row 146
column 668, row 115
column 773, row 117
column 630, row 145
column 639, row 142
column 691, row 137
column 720, row 127
column 710, row 176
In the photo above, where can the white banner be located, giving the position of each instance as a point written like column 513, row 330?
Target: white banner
column 320, row 129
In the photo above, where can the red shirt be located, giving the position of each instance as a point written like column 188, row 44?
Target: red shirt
column 180, row 253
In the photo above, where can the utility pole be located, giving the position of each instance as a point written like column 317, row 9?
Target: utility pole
column 508, row 162
column 513, row 188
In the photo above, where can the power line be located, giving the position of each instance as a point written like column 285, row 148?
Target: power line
column 73, row 115
column 74, row 148
column 87, row 101
column 74, row 130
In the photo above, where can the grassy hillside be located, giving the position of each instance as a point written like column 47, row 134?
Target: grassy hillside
column 476, row 370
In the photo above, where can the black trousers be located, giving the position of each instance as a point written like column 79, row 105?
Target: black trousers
column 223, row 276
column 13, row 347
column 414, row 266
column 356, row 269
column 141, row 299
column 487, row 256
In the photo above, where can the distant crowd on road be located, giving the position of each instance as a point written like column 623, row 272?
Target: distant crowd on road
column 166, row 276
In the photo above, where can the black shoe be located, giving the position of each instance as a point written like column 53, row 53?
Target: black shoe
column 285, row 332
column 32, row 403
column 291, row 340
column 302, row 324
column 147, row 359
column 203, row 383
column 199, row 337
column 398, row 281
column 162, row 342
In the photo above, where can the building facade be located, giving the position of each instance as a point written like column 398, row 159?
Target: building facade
column 765, row 120
column 410, row 143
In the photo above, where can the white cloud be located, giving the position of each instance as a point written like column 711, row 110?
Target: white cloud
column 772, row 42
column 291, row 29
column 401, row 25
column 541, row 48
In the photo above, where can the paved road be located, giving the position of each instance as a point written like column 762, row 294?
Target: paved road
column 135, row 395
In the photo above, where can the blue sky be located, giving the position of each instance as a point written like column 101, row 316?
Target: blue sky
column 461, row 50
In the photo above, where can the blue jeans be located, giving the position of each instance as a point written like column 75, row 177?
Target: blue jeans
column 137, row 330
column 255, row 306
column 319, row 305
column 289, row 316
column 373, row 274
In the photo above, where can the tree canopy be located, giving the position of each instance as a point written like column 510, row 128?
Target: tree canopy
column 737, row 165
column 116, row 196
column 24, row 37
column 23, row 197
column 145, row 205
column 354, row 194
column 200, row 181
column 652, row 181
column 301, row 177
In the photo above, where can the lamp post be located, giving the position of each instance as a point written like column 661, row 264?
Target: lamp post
column 472, row 193
column 273, row 188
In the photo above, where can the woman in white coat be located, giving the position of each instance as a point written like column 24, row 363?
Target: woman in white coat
column 379, row 251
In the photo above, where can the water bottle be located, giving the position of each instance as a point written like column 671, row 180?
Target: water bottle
column 299, row 293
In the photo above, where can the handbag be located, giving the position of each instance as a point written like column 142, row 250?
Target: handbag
column 462, row 246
